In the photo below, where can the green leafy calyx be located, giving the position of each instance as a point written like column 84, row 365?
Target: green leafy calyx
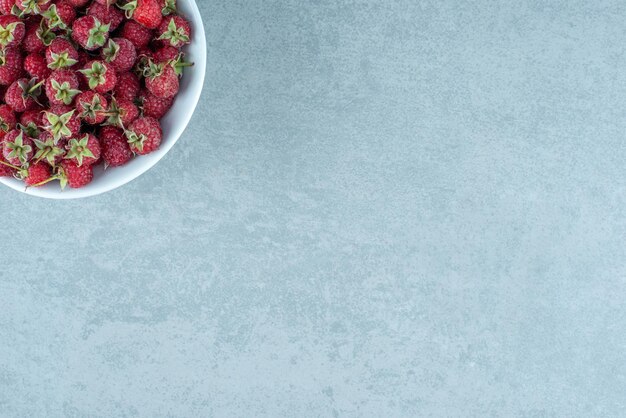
column 48, row 150
column 136, row 141
column 79, row 149
column 96, row 75
column 91, row 110
column 7, row 33
column 97, row 34
column 61, row 60
column 57, row 124
column 18, row 149
column 111, row 50
column 64, row 91
column 174, row 34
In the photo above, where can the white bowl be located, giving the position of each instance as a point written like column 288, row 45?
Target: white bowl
column 173, row 124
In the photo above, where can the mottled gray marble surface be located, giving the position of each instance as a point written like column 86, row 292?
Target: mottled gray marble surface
column 380, row 208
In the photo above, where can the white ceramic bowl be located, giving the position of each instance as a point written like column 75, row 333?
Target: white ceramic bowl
column 173, row 124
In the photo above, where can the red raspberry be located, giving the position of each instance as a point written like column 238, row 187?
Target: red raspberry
column 162, row 80
column 83, row 58
column 154, row 106
column 62, row 87
column 7, row 120
column 36, row 66
column 12, row 31
column 37, row 174
column 60, row 15
column 84, row 150
column 115, row 149
column 32, row 117
column 48, row 149
column 127, row 86
column 75, row 176
column 165, row 54
column 61, row 54
column 174, row 31
column 144, row 135
column 122, row 113
column 120, row 53
column 78, row 3
column 32, row 42
column 10, row 65
column 144, row 12
column 62, row 122
column 90, row 33
column 17, row 148
column 140, row 36
column 6, row 6
column 5, row 170
column 91, row 107
column 107, row 15
column 21, row 95
column 144, row 54
column 31, row 121
column 100, row 76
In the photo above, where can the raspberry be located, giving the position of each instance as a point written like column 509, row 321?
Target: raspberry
column 32, row 41
column 10, row 65
column 6, row 169
column 91, row 107
column 21, row 95
column 90, row 33
column 144, row 12
column 165, row 54
column 6, row 6
column 75, row 176
column 60, row 15
column 7, row 120
column 78, row 3
column 139, row 35
column 84, row 150
column 174, row 31
column 144, row 135
column 153, row 106
column 122, row 112
column 127, row 86
column 37, row 174
column 162, row 80
column 120, row 53
column 34, row 116
column 111, row 16
column 62, row 87
column 100, row 76
column 12, row 31
column 17, row 148
column 61, row 54
column 115, row 149
column 36, row 66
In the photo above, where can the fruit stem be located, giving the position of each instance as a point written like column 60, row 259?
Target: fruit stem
column 9, row 165
column 46, row 181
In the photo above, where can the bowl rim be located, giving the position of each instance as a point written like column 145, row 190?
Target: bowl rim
column 199, row 41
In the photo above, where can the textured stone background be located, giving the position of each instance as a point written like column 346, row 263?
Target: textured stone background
column 381, row 208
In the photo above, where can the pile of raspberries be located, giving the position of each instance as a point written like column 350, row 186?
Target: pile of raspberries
column 85, row 82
